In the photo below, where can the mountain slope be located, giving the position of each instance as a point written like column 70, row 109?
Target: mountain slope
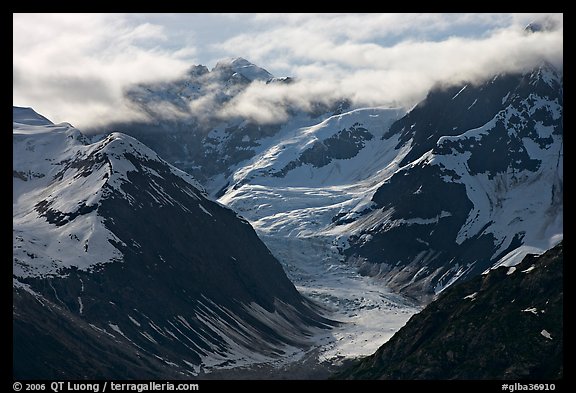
column 507, row 324
column 52, row 342
column 109, row 238
column 478, row 188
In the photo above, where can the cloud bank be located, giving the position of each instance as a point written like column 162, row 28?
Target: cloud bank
column 401, row 75
column 75, row 67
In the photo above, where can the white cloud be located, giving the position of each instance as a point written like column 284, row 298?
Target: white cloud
column 396, row 75
column 368, row 40
column 74, row 67
column 264, row 103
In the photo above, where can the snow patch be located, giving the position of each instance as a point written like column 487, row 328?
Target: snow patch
column 149, row 337
column 461, row 90
column 80, row 306
column 529, row 269
column 474, row 103
column 101, row 330
column 533, row 310
column 204, row 210
column 135, row 322
column 472, row 296
column 116, row 328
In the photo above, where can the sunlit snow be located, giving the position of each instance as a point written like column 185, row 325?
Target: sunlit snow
column 546, row 334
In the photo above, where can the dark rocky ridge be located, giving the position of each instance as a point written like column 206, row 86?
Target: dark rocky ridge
column 507, row 324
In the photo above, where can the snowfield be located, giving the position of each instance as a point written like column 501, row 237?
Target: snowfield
column 81, row 243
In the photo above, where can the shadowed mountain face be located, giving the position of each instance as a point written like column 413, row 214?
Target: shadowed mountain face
column 123, row 268
column 507, row 324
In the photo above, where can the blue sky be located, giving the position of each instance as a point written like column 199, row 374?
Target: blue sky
column 73, row 67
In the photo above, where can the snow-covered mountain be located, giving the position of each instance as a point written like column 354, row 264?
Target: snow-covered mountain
column 239, row 67
column 468, row 179
column 481, row 184
column 124, row 268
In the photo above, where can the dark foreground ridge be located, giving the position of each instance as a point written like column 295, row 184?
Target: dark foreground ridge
column 507, row 324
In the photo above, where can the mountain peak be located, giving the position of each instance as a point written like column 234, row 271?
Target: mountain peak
column 28, row 116
column 241, row 66
column 536, row 26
